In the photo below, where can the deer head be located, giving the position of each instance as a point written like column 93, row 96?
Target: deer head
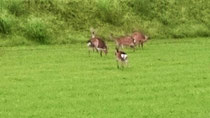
column 146, row 38
column 93, row 32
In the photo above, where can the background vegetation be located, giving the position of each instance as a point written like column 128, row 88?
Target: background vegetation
column 69, row 21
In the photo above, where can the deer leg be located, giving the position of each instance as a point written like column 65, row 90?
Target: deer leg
column 133, row 47
column 118, row 64
column 105, row 52
column 89, row 52
column 122, row 65
column 101, row 53
column 126, row 63
column 142, row 44
column 96, row 50
column 122, row 46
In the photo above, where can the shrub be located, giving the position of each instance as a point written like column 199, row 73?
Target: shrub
column 110, row 11
column 4, row 26
column 14, row 40
column 142, row 8
column 16, row 7
column 37, row 30
column 190, row 30
column 69, row 21
column 6, row 22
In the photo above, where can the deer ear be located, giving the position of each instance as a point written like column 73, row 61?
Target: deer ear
column 146, row 37
column 116, row 49
column 111, row 36
column 92, row 29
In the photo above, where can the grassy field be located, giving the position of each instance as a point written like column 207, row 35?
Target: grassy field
column 167, row 79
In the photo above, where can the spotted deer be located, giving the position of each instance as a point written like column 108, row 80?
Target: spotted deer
column 121, row 57
column 124, row 41
column 139, row 38
column 96, row 43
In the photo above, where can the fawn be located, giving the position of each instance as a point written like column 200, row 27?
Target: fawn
column 121, row 57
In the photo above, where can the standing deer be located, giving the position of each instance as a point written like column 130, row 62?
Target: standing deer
column 92, row 42
column 125, row 41
column 121, row 57
column 96, row 43
column 139, row 38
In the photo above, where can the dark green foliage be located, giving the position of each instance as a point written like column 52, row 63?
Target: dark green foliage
column 5, row 24
column 142, row 8
column 37, row 30
column 110, row 13
column 62, row 18
column 17, row 7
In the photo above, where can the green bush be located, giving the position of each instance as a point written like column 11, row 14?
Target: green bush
column 110, row 11
column 37, row 30
column 16, row 7
column 159, row 18
column 4, row 26
column 14, row 40
column 6, row 23
column 69, row 21
column 190, row 30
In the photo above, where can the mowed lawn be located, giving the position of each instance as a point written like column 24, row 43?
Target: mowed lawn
column 167, row 79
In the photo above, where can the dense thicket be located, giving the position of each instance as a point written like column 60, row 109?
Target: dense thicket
column 67, row 21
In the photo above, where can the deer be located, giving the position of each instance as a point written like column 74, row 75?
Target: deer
column 124, row 41
column 139, row 38
column 92, row 42
column 121, row 57
column 96, row 43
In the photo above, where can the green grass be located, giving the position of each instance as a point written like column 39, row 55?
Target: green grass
column 167, row 79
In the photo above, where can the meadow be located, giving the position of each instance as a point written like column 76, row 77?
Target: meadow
column 46, row 72
column 167, row 79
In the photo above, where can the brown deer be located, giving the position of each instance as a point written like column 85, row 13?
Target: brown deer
column 139, row 38
column 124, row 41
column 92, row 42
column 96, row 43
column 121, row 57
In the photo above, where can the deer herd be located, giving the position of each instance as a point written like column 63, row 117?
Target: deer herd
column 98, row 44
